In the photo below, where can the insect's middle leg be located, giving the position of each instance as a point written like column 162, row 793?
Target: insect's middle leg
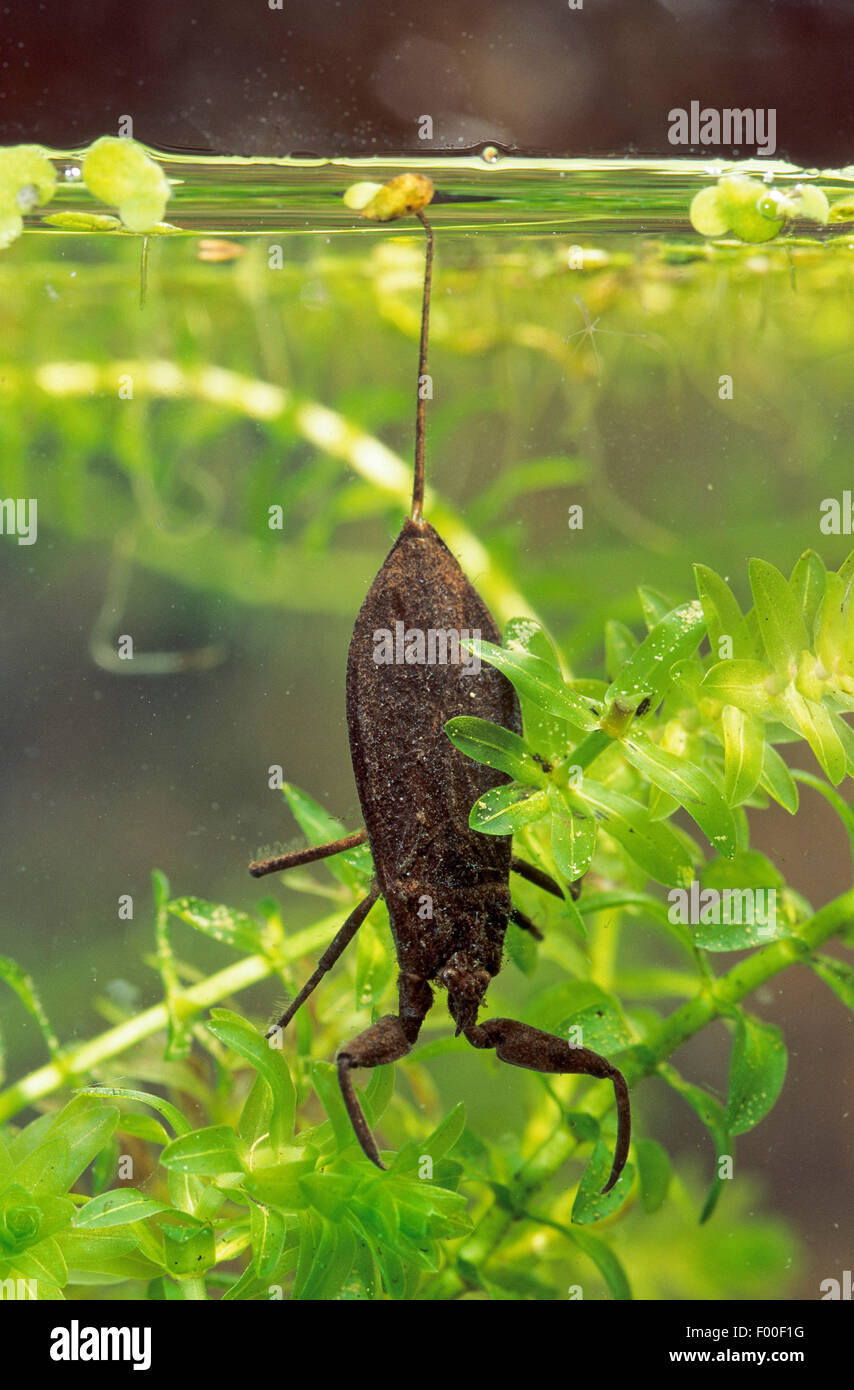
column 259, row 867
column 524, row 1046
column 336, row 947
column 387, row 1040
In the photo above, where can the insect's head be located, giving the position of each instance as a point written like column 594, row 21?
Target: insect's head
column 466, row 981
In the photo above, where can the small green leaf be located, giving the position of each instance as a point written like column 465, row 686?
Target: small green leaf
column 375, row 964
column 268, row 1060
column 521, row 948
column 233, row 928
column 837, row 976
column 830, row 646
column 689, row 785
column 325, row 1079
column 744, row 752
column 180, row 1033
column 605, row 1260
column 504, row 810
column 573, row 836
column 211, row 1151
column 842, row 210
column 590, row 1205
column 540, row 682
column 85, row 1126
column 712, row 1114
column 655, row 606
column 724, row 618
column 117, row 1208
column 190, row 1247
column 496, row 747
column 815, row 722
column 600, row 1027
column 26, row 991
column 781, row 625
column 652, row 844
column 753, row 211
column 778, row 781
column 620, row 643
column 354, row 866
column 706, row 215
column 446, row 1134
column 740, row 682
column 268, row 1229
column 807, row 584
column 83, row 222
column 648, row 670
column 169, row 1111
column 756, row 1074
column 544, row 732
column 654, row 1173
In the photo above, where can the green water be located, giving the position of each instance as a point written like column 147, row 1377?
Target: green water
column 582, row 335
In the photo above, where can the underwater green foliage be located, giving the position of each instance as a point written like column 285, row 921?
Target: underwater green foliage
column 268, row 1194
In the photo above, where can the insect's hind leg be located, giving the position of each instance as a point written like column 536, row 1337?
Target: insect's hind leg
column 336, row 948
column 523, row 1046
column 387, row 1040
column 259, row 867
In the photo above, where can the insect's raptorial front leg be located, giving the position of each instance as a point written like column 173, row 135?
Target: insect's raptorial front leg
column 336, row 947
column 523, row 1046
column 387, row 1040
column 260, row 867
column 542, row 880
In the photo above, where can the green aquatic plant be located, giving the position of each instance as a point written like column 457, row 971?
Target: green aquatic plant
column 752, row 209
column 27, row 180
column 270, row 1195
column 117, row 170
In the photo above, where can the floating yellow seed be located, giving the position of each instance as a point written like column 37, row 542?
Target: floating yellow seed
column 385, row 202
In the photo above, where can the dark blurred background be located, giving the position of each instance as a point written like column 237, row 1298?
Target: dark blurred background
column 353, row 76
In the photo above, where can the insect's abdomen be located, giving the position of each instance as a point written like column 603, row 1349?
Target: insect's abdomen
column 440, row 879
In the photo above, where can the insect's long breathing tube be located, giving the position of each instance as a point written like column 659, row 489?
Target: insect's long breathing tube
column 422, row 391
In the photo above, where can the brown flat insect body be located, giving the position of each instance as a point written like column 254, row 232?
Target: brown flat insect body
column 446, row 886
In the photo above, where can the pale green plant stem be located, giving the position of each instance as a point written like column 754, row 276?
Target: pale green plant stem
column 320, row 426
column 77, row 1062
